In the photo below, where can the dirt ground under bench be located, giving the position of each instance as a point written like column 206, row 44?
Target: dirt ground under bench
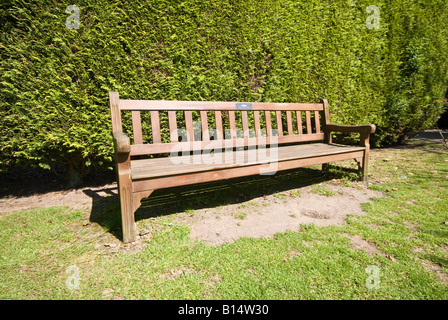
column 323, row 204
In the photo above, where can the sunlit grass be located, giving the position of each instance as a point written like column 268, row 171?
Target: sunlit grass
column 408, row 227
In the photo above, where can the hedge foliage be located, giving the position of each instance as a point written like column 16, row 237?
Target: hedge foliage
column 54, row 80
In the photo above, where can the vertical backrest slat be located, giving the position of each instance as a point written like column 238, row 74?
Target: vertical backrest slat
column 308, row 122
column 189, row 125
column 257, row 123
column 172, row 122
column 299, row 122
column 218, row 121
column 245, row 124
column 317, row 121
column 278, row 115
column 232, row 124
column 155, row 124
column 267, row 115
column 289, row 122
column 204, row 126
column 137, row 127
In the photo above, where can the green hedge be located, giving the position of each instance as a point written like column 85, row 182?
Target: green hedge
column 54, row 80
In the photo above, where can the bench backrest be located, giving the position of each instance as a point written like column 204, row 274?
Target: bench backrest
column 201, row 125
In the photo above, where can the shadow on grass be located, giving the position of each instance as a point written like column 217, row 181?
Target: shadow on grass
column 438, row 260
column 164, row 202
column 24, row 182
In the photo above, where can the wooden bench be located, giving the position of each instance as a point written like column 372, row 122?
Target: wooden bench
column 227, row 140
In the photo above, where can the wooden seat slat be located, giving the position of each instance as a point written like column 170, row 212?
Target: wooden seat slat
column 150, row 168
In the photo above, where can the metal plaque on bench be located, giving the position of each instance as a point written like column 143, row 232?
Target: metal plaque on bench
column 244, row 106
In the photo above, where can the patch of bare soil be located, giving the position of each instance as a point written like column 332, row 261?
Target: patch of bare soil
column 358, row 243
column 437, row 268
column 268, row 215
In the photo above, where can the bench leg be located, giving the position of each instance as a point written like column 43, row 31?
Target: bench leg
column 365, row 159
column 126, row 200
column 365, row 165
column 127, row 214
column 129, row 203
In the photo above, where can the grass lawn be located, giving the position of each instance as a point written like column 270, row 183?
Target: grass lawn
column 54, row 254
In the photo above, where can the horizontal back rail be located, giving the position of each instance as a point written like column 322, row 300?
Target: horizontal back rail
column 162, row 105
column 179, row 147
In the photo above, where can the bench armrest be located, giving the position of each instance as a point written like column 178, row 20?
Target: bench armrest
column 122, row 143
column 366, row 129
column 363, row 130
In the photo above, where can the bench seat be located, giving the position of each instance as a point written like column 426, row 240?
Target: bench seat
column 169, row 166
